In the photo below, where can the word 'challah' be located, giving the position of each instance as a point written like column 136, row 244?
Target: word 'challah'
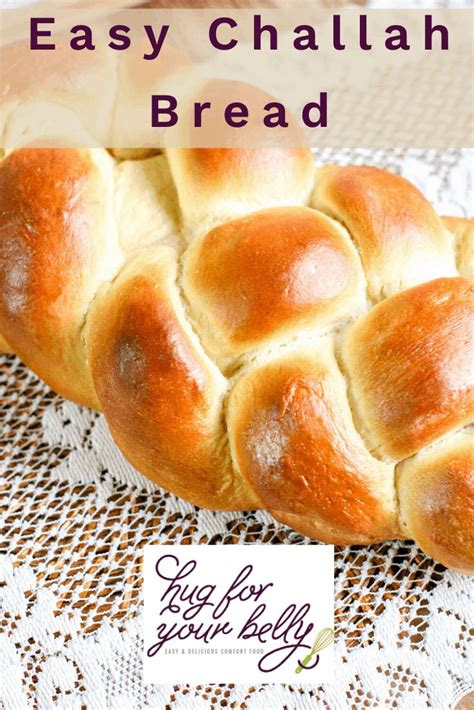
column 256, row 334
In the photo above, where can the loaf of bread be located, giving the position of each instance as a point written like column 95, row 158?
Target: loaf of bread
column 258, row 334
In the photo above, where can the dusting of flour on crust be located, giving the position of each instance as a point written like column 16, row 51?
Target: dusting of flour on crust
column 267, row 441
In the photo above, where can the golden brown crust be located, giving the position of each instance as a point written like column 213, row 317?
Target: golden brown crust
column 218, row 184
column 436, row 492
column 401, row 239
column 4, row 347
column 463, row 231
column 275, row 272
column 270, row 293
column 212, row 165
column 294, row 441
column 161, row 396
column 56, row 247
column 410, row 364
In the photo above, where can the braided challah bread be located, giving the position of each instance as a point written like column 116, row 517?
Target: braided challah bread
column 257, row 335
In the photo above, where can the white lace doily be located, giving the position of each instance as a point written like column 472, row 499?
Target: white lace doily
column 75, row 516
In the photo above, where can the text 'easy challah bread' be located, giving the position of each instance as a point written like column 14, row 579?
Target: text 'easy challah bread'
column 255, row 335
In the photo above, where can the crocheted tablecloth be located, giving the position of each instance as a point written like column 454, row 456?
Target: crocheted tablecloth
column 75, row 516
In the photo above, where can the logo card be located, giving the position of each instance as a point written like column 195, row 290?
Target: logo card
column 238, row 613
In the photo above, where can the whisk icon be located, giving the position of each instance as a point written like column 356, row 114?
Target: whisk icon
column 323, row 640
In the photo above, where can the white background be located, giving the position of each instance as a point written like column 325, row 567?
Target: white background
column 299, row 574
